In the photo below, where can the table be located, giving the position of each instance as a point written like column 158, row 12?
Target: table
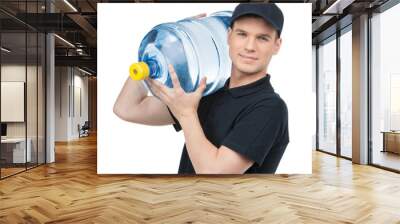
column 15, row 148
column 391, row 141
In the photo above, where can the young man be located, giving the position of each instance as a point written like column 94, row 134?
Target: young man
column 241, row 128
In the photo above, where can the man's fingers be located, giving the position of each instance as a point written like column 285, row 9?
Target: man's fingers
column 202, row 85
column 155, row 88
column 159, row 87
column 201, row 15
column 174, row 77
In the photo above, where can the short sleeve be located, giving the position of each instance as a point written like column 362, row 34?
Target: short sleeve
column 176, row 124
column 255, row 132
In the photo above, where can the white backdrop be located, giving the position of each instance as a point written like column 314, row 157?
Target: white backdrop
column 127, row 148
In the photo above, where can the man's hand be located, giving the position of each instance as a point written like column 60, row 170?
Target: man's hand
column 201, row 15
column 182, row 105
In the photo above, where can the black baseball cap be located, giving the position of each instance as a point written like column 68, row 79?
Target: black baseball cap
column 268, row 11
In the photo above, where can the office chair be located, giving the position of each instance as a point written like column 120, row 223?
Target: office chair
column 84, row 130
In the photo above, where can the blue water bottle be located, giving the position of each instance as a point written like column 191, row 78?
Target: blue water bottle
column 196, row 47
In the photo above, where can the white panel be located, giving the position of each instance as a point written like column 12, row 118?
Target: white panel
column 12, row 101
column 133, row 148
column 77, row 111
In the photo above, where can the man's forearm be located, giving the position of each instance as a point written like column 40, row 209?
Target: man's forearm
column 131, row 95
column 133, row 92
column 202, row 152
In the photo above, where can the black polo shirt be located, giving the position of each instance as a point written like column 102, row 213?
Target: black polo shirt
column 252, row 120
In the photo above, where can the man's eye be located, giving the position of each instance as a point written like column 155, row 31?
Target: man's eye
column 242, row 34
column 263, row 38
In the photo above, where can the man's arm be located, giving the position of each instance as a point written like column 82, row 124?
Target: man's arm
column 134, row 105
column 205, row 157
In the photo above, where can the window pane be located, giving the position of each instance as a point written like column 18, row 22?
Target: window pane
column 327, row 97
column 346, row 94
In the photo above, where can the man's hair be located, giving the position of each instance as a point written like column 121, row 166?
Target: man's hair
column 257, row 17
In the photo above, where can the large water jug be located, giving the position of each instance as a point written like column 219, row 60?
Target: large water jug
column 196, row 47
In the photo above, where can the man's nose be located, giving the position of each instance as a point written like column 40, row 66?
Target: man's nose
column 250, row 44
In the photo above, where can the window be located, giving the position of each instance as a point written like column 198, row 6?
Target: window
column 385, row 89
column 346, row 93
column 327, row 96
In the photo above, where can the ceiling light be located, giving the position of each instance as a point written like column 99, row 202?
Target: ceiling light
column 338, row 6
column 64, row 40
column 70, row 5
column 5, row 50
column 84, row 71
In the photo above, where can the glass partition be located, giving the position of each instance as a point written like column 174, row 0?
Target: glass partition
column 22, row 67
column 13, row 103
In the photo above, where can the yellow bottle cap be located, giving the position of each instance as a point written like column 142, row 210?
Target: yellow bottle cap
column 139, row 71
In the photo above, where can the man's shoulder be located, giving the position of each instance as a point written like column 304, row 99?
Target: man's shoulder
column 210, row 97
column 269, row 99
column 271, row 103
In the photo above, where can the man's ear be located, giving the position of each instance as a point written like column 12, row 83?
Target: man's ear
column 277, row 45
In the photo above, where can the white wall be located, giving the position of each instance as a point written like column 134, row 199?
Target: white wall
column 61, row 103
column 68, row 83
column 80, row 118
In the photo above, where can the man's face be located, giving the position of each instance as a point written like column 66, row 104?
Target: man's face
column 252, row 42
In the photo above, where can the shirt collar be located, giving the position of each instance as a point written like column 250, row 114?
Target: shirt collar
column 261, row 84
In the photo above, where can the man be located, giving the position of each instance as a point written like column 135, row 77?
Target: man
column 241, row 128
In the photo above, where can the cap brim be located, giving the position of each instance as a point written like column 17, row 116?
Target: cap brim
column 266, row 19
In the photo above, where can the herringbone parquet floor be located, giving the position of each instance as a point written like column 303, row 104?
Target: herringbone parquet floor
column 70, row 191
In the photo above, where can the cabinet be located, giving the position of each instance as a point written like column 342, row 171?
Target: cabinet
column 391, row 141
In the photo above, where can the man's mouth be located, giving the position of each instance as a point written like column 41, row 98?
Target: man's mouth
column 247, row 57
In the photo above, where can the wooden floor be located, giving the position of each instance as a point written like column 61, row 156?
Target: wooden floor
column 5, row 172
column 9, row 170
column 388, row 159
column 70, row 191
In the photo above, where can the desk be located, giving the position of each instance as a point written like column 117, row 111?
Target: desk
column 391, row 141
column 15, row 148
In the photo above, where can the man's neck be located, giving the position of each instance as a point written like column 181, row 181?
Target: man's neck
column 240, row 79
